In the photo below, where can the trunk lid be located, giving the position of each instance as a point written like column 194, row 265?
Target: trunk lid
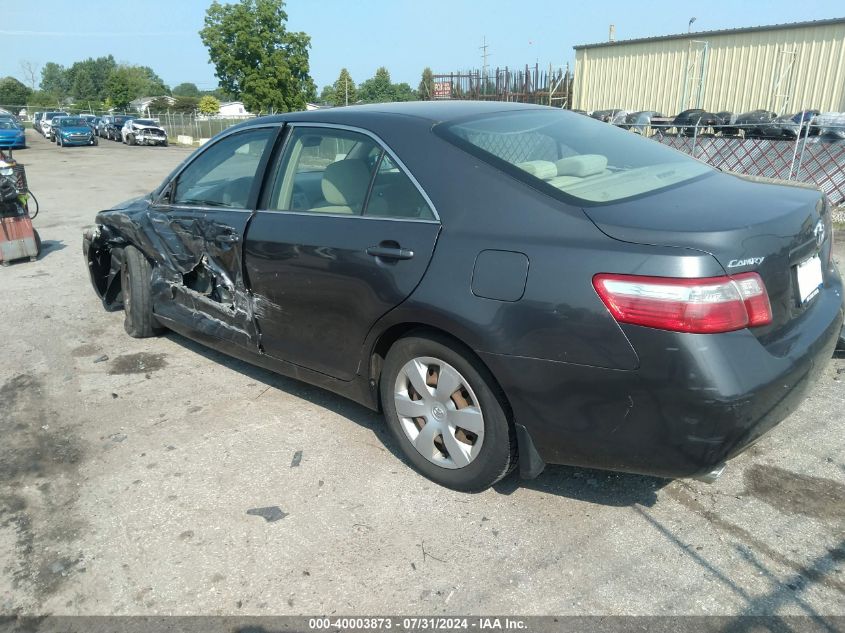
column 746, row 224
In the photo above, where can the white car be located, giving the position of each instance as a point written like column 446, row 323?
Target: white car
column 47, row 123
column 143, row 132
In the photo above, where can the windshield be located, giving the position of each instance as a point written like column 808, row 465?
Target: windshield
column 575, row 156
column 120, row 120
column 144, row 122
column 50, row 115
column 71, row 122
column 7, row 125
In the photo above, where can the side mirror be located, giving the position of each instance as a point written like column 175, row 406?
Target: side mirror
column 166, row 195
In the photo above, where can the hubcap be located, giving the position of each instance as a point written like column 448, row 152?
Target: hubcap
column 439, row 412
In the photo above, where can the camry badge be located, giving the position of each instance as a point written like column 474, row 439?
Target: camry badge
column 749, row 261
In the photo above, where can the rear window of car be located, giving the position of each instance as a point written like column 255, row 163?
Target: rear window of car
column 571, row 156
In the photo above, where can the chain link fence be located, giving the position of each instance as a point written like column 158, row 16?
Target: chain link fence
column 812, row 155
column 192, row 124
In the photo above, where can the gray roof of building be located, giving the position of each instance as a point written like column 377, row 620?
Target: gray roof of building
column 699, row 34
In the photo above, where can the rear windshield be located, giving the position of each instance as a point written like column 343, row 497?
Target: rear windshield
column 573, row 156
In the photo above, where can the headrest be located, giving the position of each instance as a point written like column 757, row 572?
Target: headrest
column 345, row 182
column 543, row 169
column 581, row 166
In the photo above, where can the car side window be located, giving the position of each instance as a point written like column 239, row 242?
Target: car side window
column 395, row 196
column 223, row 175
column 324, row 170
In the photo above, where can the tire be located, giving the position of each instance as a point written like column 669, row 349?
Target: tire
column 59, row 141
column 164, row 144
column 37, row 243
column 130, row 139
column 135, row 275
column 95, row 141
column 478, row 468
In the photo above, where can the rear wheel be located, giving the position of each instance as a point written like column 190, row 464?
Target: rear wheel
column 135, row 276
column 37, row 239
column 444, row 410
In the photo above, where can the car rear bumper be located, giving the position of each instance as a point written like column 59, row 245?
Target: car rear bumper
column 696, row 400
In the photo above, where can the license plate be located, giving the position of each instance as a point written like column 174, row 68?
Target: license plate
column 809, row 277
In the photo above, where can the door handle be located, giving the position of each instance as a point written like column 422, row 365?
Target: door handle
column 390, row 252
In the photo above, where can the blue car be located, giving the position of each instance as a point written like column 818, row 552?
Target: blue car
column 11, row 135
column 73, row 130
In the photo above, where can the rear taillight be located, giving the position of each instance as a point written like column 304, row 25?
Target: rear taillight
column 703, row 306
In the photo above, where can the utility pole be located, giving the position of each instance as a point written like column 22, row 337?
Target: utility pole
column 346, row 89
column 484, row 56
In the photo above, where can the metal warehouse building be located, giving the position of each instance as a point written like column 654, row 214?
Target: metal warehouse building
column 784, row 68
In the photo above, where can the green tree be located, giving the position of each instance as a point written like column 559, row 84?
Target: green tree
column 256, row 58
column 41, row 99
column 54, row 80
column 86, row 80
column 403, row 92
column 327, row 95
column 377, row 89
column 345, row 91
column 425, row 91
column 186, row 89
column 209, row 105
column 160, row 104
column 13, row 94
column 119, row 89
column 185, row 104
column 126, row 83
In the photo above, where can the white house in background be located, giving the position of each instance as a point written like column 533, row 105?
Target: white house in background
column 233, row 109
column 142, row 104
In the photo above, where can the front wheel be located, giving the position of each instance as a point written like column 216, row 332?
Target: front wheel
column 446, row 412
column 135, row 277
column 130, row 139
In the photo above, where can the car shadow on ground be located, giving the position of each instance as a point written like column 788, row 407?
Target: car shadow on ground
column 50, row 246
column 593, row 486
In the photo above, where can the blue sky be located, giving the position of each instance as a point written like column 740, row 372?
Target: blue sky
column 404, row 35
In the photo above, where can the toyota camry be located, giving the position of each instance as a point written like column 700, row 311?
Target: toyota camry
column 511, row 285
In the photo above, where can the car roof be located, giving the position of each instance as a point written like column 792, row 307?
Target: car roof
column 433, row 111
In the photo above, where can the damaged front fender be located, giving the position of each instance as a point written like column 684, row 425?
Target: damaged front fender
column 197, row 278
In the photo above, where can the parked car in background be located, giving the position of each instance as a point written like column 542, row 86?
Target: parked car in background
column 47, row 123
column 640, row 121
column 830, row 125
column 12, row 135
column 695, row 121
column 143, row 132
column 102, row 126
column 115, row 125
column 11, row 118
column 789, row 124
column 756, row 124
column 605, row 115
column 594, row 298
column 73, row 130
column 36, row 121
column 90, row 119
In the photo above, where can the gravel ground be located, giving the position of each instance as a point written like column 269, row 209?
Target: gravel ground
column 133, row 474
